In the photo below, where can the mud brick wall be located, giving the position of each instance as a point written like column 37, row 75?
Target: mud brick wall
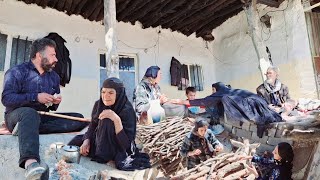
column 248, row 130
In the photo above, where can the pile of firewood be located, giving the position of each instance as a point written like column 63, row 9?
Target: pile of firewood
column 162, row 142
column 226, row 166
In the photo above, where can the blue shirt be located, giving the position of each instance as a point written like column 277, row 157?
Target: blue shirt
column 22, row 84
column 272, row 167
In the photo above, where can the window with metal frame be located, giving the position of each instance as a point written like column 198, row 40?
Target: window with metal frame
column 3, row 49
column 20, row 51
column 196, row 77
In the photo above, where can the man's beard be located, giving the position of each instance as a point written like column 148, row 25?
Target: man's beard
column 46, row 66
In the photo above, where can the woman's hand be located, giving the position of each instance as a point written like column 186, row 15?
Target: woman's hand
column 179, row 101
column 251, row 170
column 219, row 148
column 245, row 157
column 194, row 153
column 113, row 117
column 85, row 147
column 163, row 99
column 108, row 113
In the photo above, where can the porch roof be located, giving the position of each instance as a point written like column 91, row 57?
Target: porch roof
column 184, row 16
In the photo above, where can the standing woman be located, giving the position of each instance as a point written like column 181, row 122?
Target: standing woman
column 147, row 94
column 113, row 126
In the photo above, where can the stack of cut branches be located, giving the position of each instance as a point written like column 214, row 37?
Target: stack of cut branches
column 226, row 166
column 162, row 142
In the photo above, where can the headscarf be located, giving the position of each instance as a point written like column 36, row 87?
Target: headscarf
column 199, row 123
column 122, row 106
column 152, row 71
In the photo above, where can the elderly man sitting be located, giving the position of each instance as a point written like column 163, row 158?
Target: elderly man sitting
column 272, row 90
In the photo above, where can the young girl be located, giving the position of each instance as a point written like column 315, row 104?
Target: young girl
column 280, row 166
column 200, row 144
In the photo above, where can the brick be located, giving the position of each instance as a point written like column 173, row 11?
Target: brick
column 279, row 131
column 264, row 147
column 246, row 125
column 253, row 128
column 256, row 139
column 275, row 141
column 243, row 133
column 235, row 124
column 228, row 127
column 272, row 132
column 234, row 130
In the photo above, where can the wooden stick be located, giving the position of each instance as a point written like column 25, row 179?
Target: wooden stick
column 64, row 116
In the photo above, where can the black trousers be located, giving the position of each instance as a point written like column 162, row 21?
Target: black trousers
column 31, row 124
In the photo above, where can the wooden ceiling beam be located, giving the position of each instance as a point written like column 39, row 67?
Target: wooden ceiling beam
column 168, row 9
column 27, row 1
column 53, row 3
column 100, row 15
column 131, row 6
column 137, row 10
column 184, row 14
column 67, row 6
column 60, row 5
column 122, row 6
column 144, row 12
column 206, row 13
column 217, row 22
column 74, row 6
column 95, row 13
column 90, row 7
column 223, row 10
column 79, row 7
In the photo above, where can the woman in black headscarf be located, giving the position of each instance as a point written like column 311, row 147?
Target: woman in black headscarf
column 113, row 125
column 149, row 90
column 239, row 105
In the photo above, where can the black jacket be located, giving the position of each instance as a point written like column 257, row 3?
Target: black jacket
column 63, row 67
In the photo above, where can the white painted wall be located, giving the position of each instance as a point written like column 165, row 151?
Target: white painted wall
column 83, row 89
column 288, row 44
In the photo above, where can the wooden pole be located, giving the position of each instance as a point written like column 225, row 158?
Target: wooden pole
column 110, row 22
column 64, row 116
column 259, row 46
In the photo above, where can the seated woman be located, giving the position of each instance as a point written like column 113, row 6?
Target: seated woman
column 148, row 97
column 238, row 105
column 112, row 131
column 200, row 144
column 278, row 167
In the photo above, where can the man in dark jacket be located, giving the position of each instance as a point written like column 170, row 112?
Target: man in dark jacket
column 272, row 90
column 28, row 88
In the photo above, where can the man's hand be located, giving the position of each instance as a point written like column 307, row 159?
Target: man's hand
column 57, row 99
column 85, row 147
column 45, row 98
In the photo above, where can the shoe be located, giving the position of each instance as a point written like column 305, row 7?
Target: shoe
column 15, row 130
column 35, row 171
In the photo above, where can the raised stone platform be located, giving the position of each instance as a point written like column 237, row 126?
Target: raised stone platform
column 9, row 156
